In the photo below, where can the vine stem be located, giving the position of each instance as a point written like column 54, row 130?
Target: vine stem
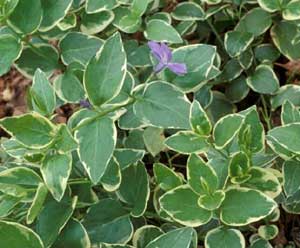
column 265, row 112
column 216, row 33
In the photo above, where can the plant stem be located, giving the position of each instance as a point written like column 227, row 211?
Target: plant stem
column 265, row 112
column 218, row 37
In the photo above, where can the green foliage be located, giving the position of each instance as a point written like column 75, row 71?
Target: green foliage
column 150, row 158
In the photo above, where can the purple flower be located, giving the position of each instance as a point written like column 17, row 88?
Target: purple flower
column 85, row 104
column 164, row 56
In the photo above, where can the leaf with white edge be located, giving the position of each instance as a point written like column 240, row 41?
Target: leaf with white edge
column 238, row 167
column 291, row 173
column 264, row 181
column 97, row 140
column 187, row 142
column 199, row 120
column 291, row 11
column 256, row 22
column 126, row 157
column 94, row 6
column 10, row 50
column 268, row 232
column 270, row 5
column 26, row 21
column 97, row 22
column 126, row 21
column 78, row 47
column 37, row 204
column 285, row 136
column 165, row 177
column 105, row 73
column 286, row 92
column 264, row 80
column 112, row 177
column 224, row 237
column 31, row 130
column 56, row 170
column 178, row 238
column 53, row 218
column 108, row 222
column 181, row 204
column 146, row 234
column 138, row 7
column 14, row 235
column 7, row 204
column 188, row 11
column 162, row 31
column 226, row 129
column 237, row 90
column 289, row 113
column 134, row 189
column 68, row 87
column 154, row 140
column 243, row 206
column 201, row 176
column 212, row 201
column 64, row 141
column 237, row 42
column 163, row 105
column 42, row 94
column 279, row 149
column 261, row 243
column 53, row 13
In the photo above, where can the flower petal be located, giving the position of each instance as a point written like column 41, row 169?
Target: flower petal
column 179, row 69
column 155, row 49
column 166, row 53
column 159, row 67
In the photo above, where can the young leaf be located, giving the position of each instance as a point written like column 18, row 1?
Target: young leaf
column 105, row 73
column 199, row 120
column 238, row 167
column 188, row 11
column 212, row 201
column 146, row 234
column 291, row 11
column 268, row 232
column 223, row 237
column 154, row 140
column 181, row 204
column 289, row 113
column 64, row 141
column 165, row 177
column 112, row 177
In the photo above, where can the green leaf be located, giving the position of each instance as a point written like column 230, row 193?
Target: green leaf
column 279, row 149
column 201, row 176
column 237, row 42
column 256, row 22
column 126, row 21
column 7, row 204
column 165, row 177
column 97, row 140
column 56, row 170
column 154, row 140
column 178, row 238
column 37, row 204
column 108, row 222
column 97, row 22
column 243, row 206
column 78, row 47
column 264, row 181
column 73, row 235
column 286, row 92
column 68, row 87
column 261, row 243
column 285, row 136
column 264, row 80
column 69, row 22
column 291, row 11
column 42, row 94
column 226, row 129
column 53, row 218
column 289, row 113
column 27, row 16
column 14, row 235
column 270, row 5
column 64, row 141
column 138, row 7
column 163, row 105
column 105, row 73
column 199, row 120
column 284, row 34
column 268, row 232
column 188, row 11
column 212, row 201
column 162, row 31
column 10, row 48
column 291, row 171
column 134, row 189
column 266, row 52
column 44, row 57
column 187, row 142
column 53, row 13
column 189, row 213
column 126, row 157
column 237, row 90
column 112, row 177
column 146, row 234
column 32, row 130
column 238, row 167
column 94, row 6
column 224, row 237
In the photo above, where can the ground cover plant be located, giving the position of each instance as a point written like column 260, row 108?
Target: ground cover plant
column 183, row 129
